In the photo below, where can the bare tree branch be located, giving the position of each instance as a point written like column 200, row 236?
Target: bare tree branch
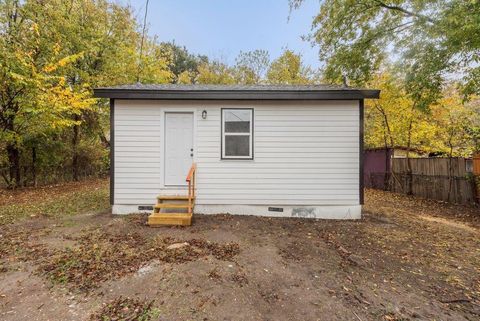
column 404, row 11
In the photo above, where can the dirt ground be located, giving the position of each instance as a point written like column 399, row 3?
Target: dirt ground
column 407, row 259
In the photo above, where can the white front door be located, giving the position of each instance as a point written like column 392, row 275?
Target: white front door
column 178, row 147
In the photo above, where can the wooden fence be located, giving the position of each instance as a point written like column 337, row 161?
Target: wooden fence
column 476, row 165
column 445, row 179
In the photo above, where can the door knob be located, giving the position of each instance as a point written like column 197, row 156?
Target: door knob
column 191, row 149
column 191, row 155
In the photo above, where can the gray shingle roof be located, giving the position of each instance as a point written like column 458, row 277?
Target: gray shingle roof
column 139, row 86
column 242, row 92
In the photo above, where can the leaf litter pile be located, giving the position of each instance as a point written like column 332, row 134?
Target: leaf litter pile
column 126, row 309
column 21, row 244
column 102, row 256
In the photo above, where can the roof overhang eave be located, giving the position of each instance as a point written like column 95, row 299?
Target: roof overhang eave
column 344, row 94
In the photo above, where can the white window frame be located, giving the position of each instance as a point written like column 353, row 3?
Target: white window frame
column 250, row 134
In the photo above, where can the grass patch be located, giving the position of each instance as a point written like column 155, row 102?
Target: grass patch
column 55, row 201
column 127, row 309
column 101, row 256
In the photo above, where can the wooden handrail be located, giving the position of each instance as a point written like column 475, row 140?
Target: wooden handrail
column 191, row 187
column 191, row 172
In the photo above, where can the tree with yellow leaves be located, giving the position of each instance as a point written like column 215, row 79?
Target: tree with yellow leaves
column 391, row 121
column 445, row 128
column 288, row 69
column 454, row 120
column 52, row 53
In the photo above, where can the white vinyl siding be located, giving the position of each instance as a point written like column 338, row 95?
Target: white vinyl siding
column 138, row 154
column 305, row 153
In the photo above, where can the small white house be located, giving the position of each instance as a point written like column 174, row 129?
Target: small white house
column 293, row 151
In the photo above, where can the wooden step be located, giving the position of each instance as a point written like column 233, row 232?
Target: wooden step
column 159, row 219
column 171, row 205
column 172, row 197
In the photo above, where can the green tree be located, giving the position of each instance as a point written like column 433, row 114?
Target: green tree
column 52, row 53
column 33, row 98
column 215, row 73
column 105, row 34
column 251, row 66
column 183, row 65
column 429, row 38
column 288, row 69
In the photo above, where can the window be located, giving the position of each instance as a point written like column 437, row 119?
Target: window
column 237, row 133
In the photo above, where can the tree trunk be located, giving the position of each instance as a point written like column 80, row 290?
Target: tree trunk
column 450, row 173
column 14, row 164
column 34, row 166
column 387, row 136
column 75, row 141
column 409, row 163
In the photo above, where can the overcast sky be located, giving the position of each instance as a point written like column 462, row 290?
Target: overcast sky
column 223, row 28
